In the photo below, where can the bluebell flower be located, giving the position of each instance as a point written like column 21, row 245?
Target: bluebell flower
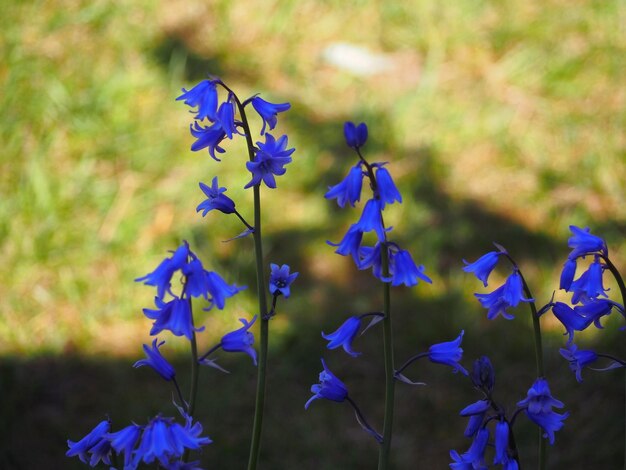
column 538, row 406
column 216, row 199
column 93, row 447
column 356, row 136
column 195, row 278
column 155, row 360
column 483, row 375
column 204, row 97
column 448, row 353
column 403, row 270
column 344, row 335
column 350, row 243
column 571, row 319
column 474, row 458
column 476, row 412
column 387, row 190
column 268, row 111
column 208, row 137
column 501, row 442
column 219, row 290
column 567, row 274
column 174, row 316
column 371, row 219
column 280, row 280
column 483, row 266
column 330, row 388
column 589, row 285
column 240, row 340
column 510, row 294
column 584, row 243
column 578, row 359
column 161, row 277
column 349, row 190
column 166, row 441
column 595, row 309
column 269, row 161
column 369, row 257
column 124, row 441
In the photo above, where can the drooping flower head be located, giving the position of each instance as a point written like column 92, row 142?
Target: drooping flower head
column 474, row 458
column 281, row 280
column 483, row 266
column 93, row 447
column 356, row 136
column 348, row 190
column 371, row 219
column 174, row 316
column 210, row 137
column 483, row 375
column 350, row 244
column 124, row 441
column 344, row 335
column 567, row 274
column 476, row 413
column 538, row 407
column 386, row 188
column 330, row 388
column 240, row 340
column 589, row 285
column 216, row 199
column 161, row 277
column 578, row 359
column 219, row 290
column 204, row 97
column 403, row 270
column 584, row 243
column 510, row 294
column 448, row 353
column 502, row 442
column 269, row 161
column 268, row 111
column 155, row 359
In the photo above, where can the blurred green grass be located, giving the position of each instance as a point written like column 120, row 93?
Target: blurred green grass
column 503, row 121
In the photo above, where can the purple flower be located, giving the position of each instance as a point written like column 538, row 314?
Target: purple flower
column 344, row 335
column 204, row 96
column 371, row 219
column 174, row 316
column 510, row 294
column 269, row 161
column 219, row 290
column 240, row 340
column 387, row 190
column 216, row 200
column 502, row 442
column 268, row 111
column 210, row 137
column 161, row 277
column 350, row 244
column 93, row 447
column 538, row 404
column 124, row 441
column 280, row 280
column 578, row 359
column 589, row 285
column 349, row 190
column 567, row 274
column 370, row 258
column 356, row 136
column 584, row 243
column 448, row 353
column 476, row 412
column 474, row 458
column 571, row 319
column 403, row 270
column 483, row 375
column 330, row 388
column 156, row 360
column 483, row 266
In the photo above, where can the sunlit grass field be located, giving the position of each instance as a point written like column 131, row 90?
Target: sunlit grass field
column 502, row 121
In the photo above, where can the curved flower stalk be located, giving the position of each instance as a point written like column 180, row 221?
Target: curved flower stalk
column 266, row 161
column 390, row 263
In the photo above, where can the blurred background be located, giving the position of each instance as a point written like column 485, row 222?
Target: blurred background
column 502, row 121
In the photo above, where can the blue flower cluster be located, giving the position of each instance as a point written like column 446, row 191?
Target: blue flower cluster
column 162, row 441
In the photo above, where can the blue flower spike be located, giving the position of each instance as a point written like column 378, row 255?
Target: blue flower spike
column 448, row 353
column 268, row 111
column 329, row 388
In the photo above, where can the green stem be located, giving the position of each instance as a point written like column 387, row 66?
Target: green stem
column 194, row 374
column 622, row 289
column 257, row 427
column 383, row 455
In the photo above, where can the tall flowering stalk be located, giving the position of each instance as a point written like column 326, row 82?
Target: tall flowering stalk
column 266, row 160
column 389, row 263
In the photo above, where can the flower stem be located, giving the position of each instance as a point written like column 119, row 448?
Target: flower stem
column 383, row 455
column 622, row 289
column 257, row 427
column 194, row 374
